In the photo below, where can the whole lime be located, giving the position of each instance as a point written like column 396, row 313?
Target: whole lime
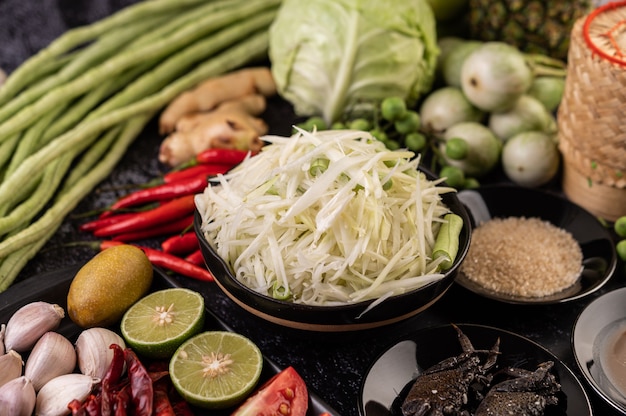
column 107, row 285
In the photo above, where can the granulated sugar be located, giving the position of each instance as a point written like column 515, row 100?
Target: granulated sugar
column 521, row 256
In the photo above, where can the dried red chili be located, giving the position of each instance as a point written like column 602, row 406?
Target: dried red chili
column 111, row 379
column 122, row 401
column 141, row 388
column 181, row 408
column 162, row 404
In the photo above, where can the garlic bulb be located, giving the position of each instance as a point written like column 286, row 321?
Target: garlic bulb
column 93, row 350
column 17, row 398
column 3, row 329
column 11, row 365
column 56, row 394
column 53, row 355
column 29, row 323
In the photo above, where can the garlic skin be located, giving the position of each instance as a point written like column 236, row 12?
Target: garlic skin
column 29, row 323
column 17, row 398
column 53, row 355
column 56, row 394
column 11, row 365
column 93, row 351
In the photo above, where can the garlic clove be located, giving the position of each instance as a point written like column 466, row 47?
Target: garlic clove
column 11, row 365
column 29, row 323
column 56, row 394
column 53, row 355
column 17, row 397
column 93, row 351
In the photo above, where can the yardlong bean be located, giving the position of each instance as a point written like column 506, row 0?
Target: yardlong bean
column 76, row 106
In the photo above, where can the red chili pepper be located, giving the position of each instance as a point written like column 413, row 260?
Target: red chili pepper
column 185, row 186
column 178, row 265
column 181, row 243
column 196, row 258
column 172, row 210
column 141, row 388
column 109, row 212
column 104, row 221
column 159, row 230
column 226, row 156
column 166, row 261
column 194, row 172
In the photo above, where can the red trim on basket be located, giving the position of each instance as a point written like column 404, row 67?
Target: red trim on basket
column 587, row 24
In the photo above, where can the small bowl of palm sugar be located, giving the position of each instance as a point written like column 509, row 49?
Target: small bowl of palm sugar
column 533, row 246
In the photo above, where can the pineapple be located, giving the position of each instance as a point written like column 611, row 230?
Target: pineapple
column 534, row 26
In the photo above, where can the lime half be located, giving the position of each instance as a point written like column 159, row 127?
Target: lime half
column 216, row 369
column 158, row 323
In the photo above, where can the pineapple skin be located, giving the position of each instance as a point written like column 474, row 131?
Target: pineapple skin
column 534, row 26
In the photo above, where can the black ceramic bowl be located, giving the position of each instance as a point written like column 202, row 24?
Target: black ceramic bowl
column 336, row 318
column 596, row 243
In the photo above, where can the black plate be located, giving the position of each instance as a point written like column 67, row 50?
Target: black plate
column 598, row 248
column 53, row 287
column 395, row 369
column 590, row 330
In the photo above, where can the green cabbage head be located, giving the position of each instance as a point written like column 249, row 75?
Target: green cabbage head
column 329, row 57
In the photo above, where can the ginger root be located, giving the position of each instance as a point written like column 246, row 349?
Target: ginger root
column 231, row 125
column 209, row 94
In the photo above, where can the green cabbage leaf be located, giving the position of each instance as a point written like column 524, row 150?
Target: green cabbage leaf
column 330, row 57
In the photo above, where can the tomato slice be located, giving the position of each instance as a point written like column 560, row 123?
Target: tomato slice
column 284, row 394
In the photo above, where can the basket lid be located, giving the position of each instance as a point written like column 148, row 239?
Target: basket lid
column 604, row 31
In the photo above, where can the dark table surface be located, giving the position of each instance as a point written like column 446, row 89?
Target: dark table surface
column 333, row 365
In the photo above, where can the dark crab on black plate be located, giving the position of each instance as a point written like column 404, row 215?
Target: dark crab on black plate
column 599, row 258
column 486, row 364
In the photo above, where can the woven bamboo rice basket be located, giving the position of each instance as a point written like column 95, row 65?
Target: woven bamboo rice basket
column 592, row 114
